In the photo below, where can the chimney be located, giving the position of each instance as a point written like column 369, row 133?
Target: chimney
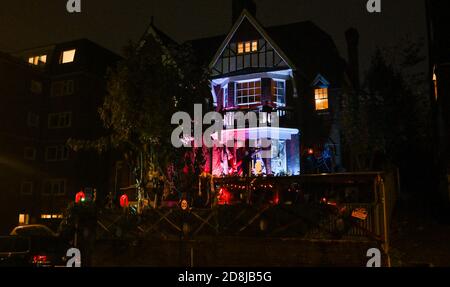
column 239, row 5
column 352, row 37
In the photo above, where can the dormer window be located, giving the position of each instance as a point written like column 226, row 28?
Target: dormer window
column 321, row 98
column 37, row 60
column 67, row 56
column 247, row 47
column 320, row 85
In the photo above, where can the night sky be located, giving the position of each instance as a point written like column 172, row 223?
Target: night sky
column 111, row 23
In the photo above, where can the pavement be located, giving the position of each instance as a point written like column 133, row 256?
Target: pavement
column 420, row 234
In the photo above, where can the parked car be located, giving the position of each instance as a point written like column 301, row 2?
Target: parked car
column 45, row 247
column 33, row 230
column 15, row 251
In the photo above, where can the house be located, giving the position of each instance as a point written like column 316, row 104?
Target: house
column 48, row 95
column 293, row 70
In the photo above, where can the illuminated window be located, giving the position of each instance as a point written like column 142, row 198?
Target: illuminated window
column 247, row 47
column 51, row 216
column 24, row 219
column 248, row 92
column 321, row 97
column 240, row 48
column 60, row 120
column 67, row 56
column 435, row 86
column 37, row 60
column 279, row 92
column 254, row 46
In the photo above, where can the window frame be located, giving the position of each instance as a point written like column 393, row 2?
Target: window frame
column 247, row 47
column 62, row 88
column 71, row 59
column 51, row 183
column 248, row 89
column 321, row 98
column 275, row 89
column 225, row 96
column 61, row 153
column 37, row 60
column 61, row 120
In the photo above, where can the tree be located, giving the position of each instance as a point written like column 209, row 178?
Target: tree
column 389, row 116
column 154, row 81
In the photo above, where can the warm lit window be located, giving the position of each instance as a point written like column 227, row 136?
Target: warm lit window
column 321, row 97
column 435, row 86
column 37, row 60
column 254, row 46
column 24, row 219
column 57, row 153
column 248, row 92
column 247, row 47
column 51, row 216
column 240, row 48
column 279, row 92
column 67, row 56
column 59, row 120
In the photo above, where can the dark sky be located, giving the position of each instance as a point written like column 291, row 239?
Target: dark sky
column 111, row 23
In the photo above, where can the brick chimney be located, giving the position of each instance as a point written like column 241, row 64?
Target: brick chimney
column 352, row 37
column 239, row 5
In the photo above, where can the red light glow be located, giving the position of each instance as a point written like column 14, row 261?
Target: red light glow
column 124, row 200
column 224, row 197
column 80, row 197
column 39, row 259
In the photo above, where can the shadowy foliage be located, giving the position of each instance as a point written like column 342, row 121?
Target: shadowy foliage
column 389, row 119
column 154, row 81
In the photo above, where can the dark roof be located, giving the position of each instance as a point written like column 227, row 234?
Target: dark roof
column 205, row 48
column 310, row 49
column 165, row 39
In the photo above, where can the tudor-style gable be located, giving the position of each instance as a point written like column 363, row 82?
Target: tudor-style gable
column 248, row 49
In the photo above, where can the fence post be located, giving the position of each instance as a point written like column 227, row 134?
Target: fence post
column 385, row 244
